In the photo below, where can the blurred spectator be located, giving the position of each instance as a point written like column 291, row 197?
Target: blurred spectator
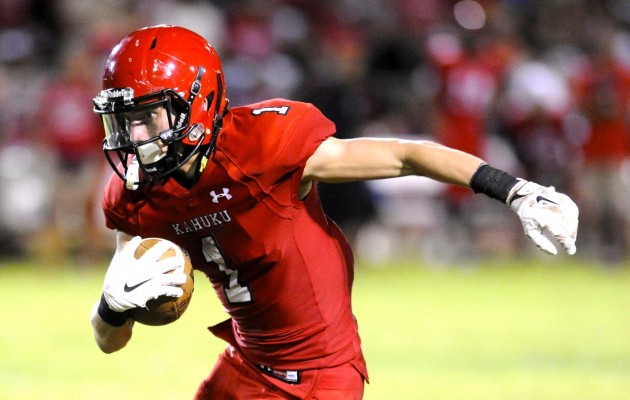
column 199, row 16
column 542, row 85
column 80, row 17
column 66, row 127
column 468, row 85
column 339, row 91
column 603, row 93
column 535, row 101
column 28, row 31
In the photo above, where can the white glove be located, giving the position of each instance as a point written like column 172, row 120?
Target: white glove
column 131, row 282
column 543, row 210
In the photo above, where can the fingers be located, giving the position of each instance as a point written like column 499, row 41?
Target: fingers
column 159, row 291
column 545, row 215
column 134, row 242
column 542, row 241
column 172, row 279
column 167, row 265
column 557, row 230
column 569, row 247
column 173, row 291
column 156, row 251
column 567, row 243
column 167, row 285
column 132, row 245
column 564, row 229
column 150, row 258
column 566, row 226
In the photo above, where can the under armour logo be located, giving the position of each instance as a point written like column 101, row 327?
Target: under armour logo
column 226, row 194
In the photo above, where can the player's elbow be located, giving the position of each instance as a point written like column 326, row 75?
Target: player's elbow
column 110, row 338
column 113, row 341
column 108, row 348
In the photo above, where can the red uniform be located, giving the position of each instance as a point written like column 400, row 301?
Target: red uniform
column 281, row 268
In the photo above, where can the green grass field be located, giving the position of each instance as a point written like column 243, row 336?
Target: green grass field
column 558, row 330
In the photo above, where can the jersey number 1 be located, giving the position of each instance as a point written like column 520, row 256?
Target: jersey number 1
column 233, row 289
column 282, row 110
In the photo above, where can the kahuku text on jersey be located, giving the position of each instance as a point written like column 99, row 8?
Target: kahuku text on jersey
column 202, row 222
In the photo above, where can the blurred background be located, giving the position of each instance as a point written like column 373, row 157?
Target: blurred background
column 538, row 88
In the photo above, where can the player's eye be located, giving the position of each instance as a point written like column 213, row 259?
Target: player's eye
column 143, row 118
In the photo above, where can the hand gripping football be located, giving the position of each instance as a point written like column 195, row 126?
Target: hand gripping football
column 164, row 309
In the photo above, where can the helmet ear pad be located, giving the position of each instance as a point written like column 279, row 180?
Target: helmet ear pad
column 162, row 164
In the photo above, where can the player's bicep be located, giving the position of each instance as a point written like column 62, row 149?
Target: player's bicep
column 337, row 160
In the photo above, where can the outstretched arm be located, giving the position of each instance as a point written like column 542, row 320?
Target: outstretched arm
column 540, row 209
column 337, row 160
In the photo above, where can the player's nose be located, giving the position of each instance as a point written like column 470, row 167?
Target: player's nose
column 139, row 133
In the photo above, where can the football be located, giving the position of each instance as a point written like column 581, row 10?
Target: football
column 164, row 309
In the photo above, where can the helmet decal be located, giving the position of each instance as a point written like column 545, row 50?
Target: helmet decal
column 109, row 97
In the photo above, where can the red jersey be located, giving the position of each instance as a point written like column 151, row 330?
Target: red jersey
column 281, row 268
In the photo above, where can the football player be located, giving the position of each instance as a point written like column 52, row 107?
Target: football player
column 236, row 188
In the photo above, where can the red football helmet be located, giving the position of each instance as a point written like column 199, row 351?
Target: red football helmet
column 154, row 67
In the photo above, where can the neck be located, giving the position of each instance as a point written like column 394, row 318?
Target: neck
column 188, row 169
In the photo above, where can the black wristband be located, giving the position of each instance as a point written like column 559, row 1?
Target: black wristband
column 110, row 316
column 492, row 182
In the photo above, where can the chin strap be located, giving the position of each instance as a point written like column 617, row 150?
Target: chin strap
column 217, row 124
column 205, row 155
column 195, row 88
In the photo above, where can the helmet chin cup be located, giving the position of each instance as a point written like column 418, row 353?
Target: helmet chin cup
column 150, row 153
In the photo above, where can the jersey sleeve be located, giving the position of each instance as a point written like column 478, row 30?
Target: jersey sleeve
column 301, row 139
column 116, row 206
column 269, row 144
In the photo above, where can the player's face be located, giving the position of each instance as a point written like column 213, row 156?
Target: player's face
column 147, row 123
column 123, row 129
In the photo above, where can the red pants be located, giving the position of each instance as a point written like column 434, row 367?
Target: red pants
column 234, row 378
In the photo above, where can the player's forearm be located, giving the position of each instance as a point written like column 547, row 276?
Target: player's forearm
column 370, row 158
column 439, row 162
column 110, row 338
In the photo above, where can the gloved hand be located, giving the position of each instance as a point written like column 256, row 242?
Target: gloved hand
column 543, row 210
column 131, row 282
